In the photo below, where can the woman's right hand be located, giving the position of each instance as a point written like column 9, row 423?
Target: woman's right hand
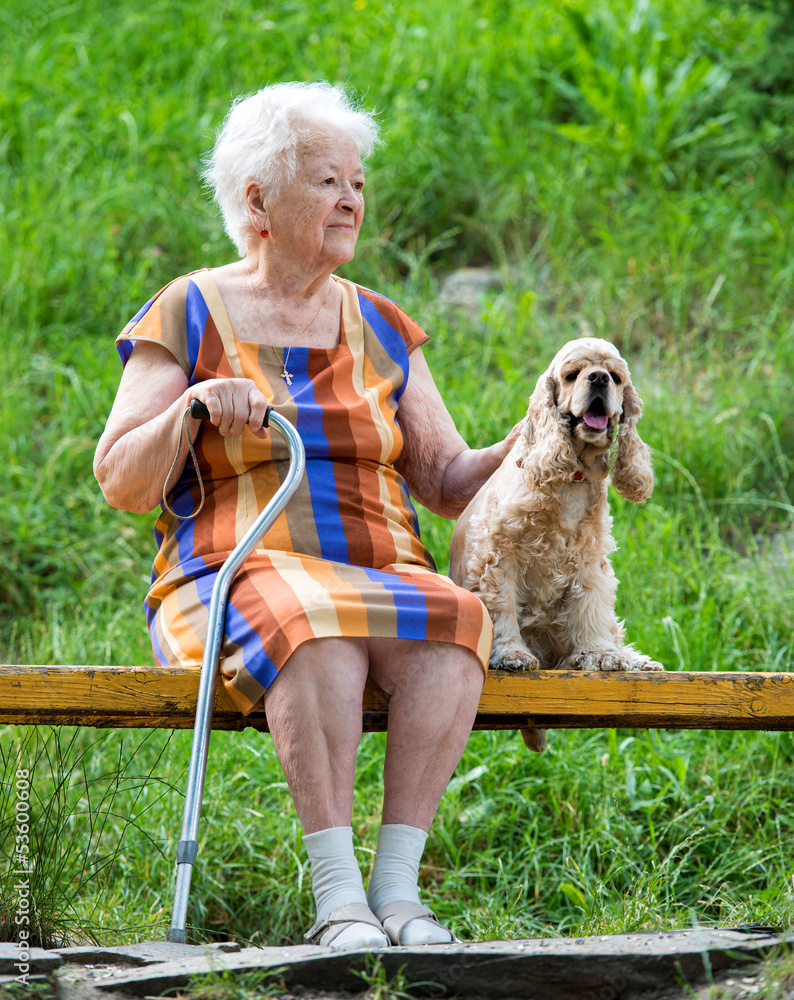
column 233, row 404
column 136, row 450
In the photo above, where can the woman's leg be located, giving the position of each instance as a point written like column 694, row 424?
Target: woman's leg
column 314, row 713
column 434, row 690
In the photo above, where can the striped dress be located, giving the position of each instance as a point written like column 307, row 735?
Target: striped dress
column 345, row 557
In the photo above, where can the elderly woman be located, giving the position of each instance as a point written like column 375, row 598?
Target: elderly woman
column 341, row 587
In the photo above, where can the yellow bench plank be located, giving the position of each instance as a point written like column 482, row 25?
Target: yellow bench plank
column 148, row 697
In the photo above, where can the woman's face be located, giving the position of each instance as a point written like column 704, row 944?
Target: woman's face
column 316, row 216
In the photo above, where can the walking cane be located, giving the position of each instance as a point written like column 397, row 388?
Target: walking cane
column 187, row 848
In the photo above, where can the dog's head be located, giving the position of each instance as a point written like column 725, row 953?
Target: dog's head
column 580, row 405
column 590, row 381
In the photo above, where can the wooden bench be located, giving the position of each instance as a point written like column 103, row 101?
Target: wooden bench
column 153, row 697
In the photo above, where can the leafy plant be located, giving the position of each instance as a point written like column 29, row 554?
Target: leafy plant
column 764, row 74
column 630, row 95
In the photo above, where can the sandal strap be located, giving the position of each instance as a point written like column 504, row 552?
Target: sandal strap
column 399, row 913
column 353, row 913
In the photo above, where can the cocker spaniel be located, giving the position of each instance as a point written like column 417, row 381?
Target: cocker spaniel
column 535, row 541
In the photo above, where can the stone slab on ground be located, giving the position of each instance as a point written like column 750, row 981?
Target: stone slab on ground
column 542, row 969
column 41, row 961
column 144, row 953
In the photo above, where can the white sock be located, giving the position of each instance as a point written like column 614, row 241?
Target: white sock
column 395, row 875
column 336, row 881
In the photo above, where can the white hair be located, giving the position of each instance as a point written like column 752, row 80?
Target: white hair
column 259, row 139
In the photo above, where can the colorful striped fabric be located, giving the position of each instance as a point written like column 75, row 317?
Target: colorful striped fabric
column 345, row 557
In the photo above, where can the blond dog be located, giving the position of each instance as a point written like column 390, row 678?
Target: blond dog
column 535, row 541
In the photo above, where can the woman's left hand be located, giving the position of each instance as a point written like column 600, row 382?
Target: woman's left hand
column 512, row 437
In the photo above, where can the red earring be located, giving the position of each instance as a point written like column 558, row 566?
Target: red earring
column 264, row 233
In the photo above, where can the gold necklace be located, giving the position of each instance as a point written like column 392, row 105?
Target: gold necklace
column 284, row 373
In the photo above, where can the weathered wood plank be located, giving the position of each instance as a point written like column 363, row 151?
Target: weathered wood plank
column 658, row 700
column 149, row 697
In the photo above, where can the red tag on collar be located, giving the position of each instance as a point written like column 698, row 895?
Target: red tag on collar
column 577, row 476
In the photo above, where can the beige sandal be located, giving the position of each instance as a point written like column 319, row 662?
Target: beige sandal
column 394, row 916
column 328, row 930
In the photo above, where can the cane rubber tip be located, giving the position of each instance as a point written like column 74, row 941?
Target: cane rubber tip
column 177, row 935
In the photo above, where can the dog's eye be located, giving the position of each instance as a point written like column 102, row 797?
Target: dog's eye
column 616, row 378
column 572, row 376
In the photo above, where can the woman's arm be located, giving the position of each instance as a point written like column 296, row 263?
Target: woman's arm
column 441, row 471
column 137, row 447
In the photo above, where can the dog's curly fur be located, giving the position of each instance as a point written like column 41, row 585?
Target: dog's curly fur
column 535, row 541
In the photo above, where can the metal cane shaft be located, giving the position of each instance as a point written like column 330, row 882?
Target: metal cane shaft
column 188, row 843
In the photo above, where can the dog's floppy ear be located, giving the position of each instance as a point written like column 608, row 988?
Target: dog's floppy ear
column 632, row 475
column 550, row 455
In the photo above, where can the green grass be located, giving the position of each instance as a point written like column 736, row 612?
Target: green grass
column 603, row 159
column 607, row 832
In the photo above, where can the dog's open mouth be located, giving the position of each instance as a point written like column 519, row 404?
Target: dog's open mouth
column 595, row 417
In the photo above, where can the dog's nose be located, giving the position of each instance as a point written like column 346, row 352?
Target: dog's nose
column 598, row 378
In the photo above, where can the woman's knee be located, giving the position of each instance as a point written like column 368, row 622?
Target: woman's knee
column 319, row 667
column 394, row 663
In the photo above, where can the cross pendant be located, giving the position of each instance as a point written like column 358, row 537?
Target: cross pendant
column 286, row 376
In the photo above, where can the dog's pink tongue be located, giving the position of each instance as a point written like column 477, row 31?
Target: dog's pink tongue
column 597, row 421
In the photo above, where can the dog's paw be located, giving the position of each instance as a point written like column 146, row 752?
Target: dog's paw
column 579, row 661
column 511, row 657
column 639, row 661
column 606, row 660
column 612, row 660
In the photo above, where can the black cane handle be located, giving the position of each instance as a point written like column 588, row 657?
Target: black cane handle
column 200, row 412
